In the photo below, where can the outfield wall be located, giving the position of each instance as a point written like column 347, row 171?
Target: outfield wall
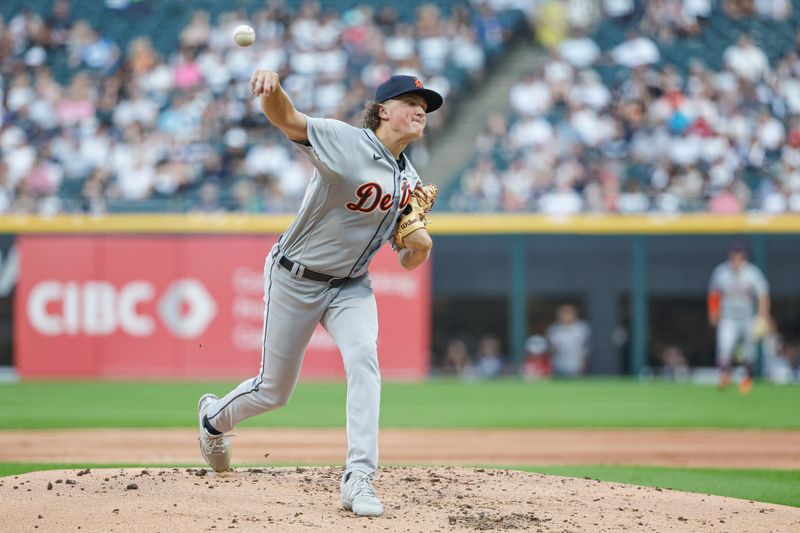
column 182, row 306
column 96, row 295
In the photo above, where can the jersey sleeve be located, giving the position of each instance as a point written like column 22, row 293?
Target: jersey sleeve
column 332, row 146
column 760, row 283
column 714, row 284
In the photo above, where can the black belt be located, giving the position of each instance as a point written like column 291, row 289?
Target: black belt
column 290, row 265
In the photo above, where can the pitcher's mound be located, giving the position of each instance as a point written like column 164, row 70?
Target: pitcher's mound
column 415, row 498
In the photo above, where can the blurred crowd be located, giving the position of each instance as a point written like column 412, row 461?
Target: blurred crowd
column 659, row 138
column 130, row 123
column 563, row 351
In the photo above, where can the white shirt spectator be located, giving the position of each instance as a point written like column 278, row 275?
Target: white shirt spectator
column 530, row 132
column 303, row 31
column 137, row 182
column 530, row 97
column 633, row 202
column 746, row 60
column 562, row 202
column 266, row 159
column 794, row 202
column 775, row 203
column 20, row 96
column 433, row 52
column 590, row 91
column 332, row 63
column 684, row 151
column 214, row 69
column 713, row 148
column 635, row 52
column 139, row 109
column 774, row 9
column 592, row 128
column 467, row 53
column 19, row 156
column 43, row 112
column 618, row 8
column 293, row 178
column 694, row 9
column 558, row 72
column 304, row 62
column 790, row 92
column 518, row 182
column 580, row 52
column 327, row 96
column 771, row 133
column 400, row 46
column 327, row 33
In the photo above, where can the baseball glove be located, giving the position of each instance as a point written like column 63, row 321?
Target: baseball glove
column 760, row 328
column 413, row 216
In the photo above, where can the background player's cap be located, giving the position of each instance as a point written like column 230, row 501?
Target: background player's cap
column 737, row 247
column 400, row 84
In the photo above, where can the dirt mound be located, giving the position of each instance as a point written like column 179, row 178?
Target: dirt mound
column 416, row 499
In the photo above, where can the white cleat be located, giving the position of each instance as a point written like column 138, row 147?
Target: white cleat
column 358, row 495
column 216, row 448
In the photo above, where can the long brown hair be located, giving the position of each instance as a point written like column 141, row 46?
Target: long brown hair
column 370, row 117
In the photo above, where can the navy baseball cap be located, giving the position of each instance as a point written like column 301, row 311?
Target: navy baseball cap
column 400, row 84
column 737, row 247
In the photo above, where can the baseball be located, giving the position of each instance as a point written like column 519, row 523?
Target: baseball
column 244, row 35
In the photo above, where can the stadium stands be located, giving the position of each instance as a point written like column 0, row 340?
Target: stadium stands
column 662, row 106
column 145, row 106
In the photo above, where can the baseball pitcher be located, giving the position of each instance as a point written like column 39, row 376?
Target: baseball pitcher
column 363, row 193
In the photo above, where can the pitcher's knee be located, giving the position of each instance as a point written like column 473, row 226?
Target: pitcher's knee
column 271, row 399
column 362, row 356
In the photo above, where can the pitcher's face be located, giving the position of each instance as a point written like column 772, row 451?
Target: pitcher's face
column 405, row 115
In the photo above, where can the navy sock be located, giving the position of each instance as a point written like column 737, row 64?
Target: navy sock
column 209, row 427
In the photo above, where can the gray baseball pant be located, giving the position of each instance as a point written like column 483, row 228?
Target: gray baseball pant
column 293, row 308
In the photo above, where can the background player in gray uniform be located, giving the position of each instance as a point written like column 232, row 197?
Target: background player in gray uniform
column 317, row 271
column 569, row 339
column 738, row 303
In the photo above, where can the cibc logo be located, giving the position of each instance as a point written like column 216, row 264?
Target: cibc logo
column 100, row 308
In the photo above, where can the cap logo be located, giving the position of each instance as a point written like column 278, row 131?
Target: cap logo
column 418, row 83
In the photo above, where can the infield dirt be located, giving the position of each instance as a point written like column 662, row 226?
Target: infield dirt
column 686, row 447
column 417, row 499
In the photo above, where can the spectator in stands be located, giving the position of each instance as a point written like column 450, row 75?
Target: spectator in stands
column 739, row 8
column 579, row 50
column 489, row 362
column 569, row 341
column 674, row 365
column 635, row 51
column 182, row 100
column 530, row 96
column 457, row 361
column 778, row 10
column 619, row 9
column 59, row 23
column 746, row 60
column 552, row 23
column 536, row 364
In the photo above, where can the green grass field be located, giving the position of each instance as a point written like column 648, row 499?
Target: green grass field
column 436, row 404
column 449, row 404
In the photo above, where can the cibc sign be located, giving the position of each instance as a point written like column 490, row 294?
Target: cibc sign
column 101, row 308
column 183, row 307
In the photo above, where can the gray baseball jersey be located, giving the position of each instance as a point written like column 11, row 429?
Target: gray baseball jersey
column 349, row 211
column 570, row 346
column 739, row 290
column 351, row 204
